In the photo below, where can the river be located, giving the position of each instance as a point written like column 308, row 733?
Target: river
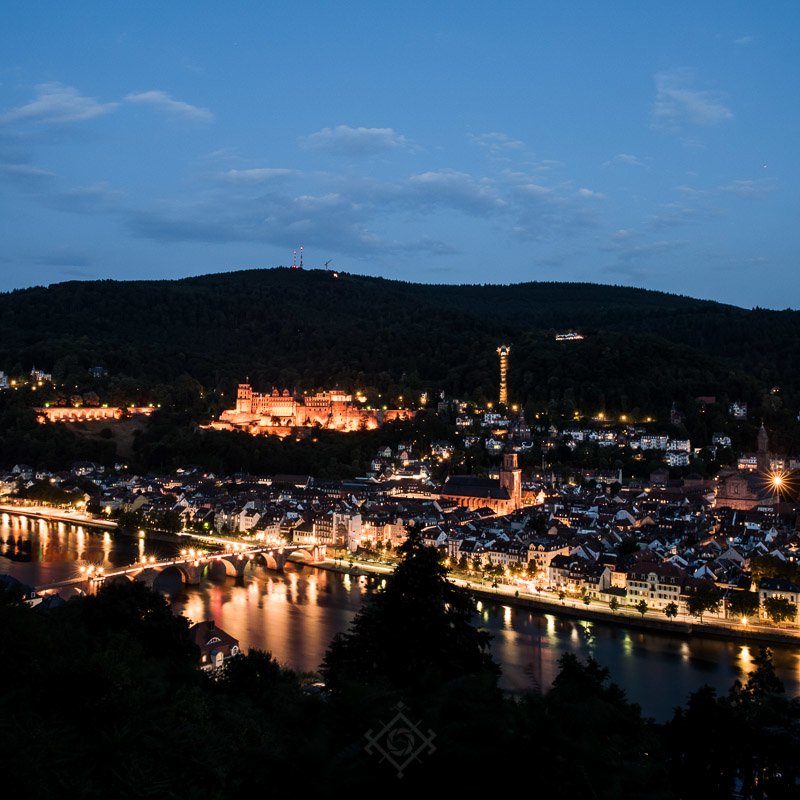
column 295, row 614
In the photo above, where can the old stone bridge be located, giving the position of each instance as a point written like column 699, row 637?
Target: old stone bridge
column 191, row 565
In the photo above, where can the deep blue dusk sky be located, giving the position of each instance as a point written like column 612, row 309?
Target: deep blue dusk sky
column 648, row 144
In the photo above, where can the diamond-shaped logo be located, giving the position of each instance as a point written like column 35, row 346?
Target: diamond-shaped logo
column 400, row 741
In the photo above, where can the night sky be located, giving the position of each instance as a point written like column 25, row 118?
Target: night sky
column 646, row 144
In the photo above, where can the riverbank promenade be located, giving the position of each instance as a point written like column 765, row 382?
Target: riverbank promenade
column 71, row 517
column 549, row 602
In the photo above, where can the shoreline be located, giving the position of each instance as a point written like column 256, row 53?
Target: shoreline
column 685, row 628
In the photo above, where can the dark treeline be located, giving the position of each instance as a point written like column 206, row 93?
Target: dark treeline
column 24, row 441
column 171, row 438
column 101, row 697
column 184, row 345
column 307, row 329
column 170, row 441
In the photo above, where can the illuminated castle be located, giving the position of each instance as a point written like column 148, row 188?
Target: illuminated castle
column 281, row 411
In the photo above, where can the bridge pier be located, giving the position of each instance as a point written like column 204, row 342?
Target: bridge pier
column 193, row 573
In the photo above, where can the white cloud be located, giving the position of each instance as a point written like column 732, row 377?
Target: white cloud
column 257, row 175
column 98, row 198
column 57, row 103
column 691, row 191
column 362, row 213
column 590, row 194
column 165, row 102
column 345, row 140
column 674, row 215
column 649, row 250
column 677, row 105
column 743, row 41
column 25, row 171
column 633, row 254
column 533, row 189
column 456, row 189
column 747, row 188
column 63, row 256
column 627, row 159
column 495, row 141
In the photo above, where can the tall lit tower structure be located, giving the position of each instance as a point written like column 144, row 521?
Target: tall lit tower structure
column 503, row 352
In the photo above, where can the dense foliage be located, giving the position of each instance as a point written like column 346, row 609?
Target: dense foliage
column 184, row 345
column 306, row 329
column 417, row 634
column 101, row 697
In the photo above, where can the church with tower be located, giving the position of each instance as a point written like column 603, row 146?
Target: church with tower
column 503, row 495
column 744, row 491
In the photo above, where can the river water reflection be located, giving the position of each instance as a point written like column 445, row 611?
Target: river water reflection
column 295, row 615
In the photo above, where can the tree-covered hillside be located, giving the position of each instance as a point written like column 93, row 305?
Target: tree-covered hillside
column 308, row 329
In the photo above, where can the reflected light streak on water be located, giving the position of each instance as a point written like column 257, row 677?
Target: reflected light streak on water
column 295, row 615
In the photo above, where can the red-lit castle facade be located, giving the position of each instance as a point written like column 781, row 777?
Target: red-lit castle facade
column 281, row 412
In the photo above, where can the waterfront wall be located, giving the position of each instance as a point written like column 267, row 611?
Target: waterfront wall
column 677, row 627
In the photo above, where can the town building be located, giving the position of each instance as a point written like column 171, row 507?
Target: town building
column 780, row 589
column 216, row 646
column 738, row 409
column 658, row 584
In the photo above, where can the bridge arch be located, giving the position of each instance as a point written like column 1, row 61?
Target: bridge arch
column 267, row 560
column 221, row 567
column 121, row 578
column 301, row 556
column 164, row 574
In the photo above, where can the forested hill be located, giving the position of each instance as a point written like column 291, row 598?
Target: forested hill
column 310, row 328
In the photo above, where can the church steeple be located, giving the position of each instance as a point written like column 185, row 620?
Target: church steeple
column 511, row 479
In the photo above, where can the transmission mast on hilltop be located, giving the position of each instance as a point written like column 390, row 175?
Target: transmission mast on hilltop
column 295, row 265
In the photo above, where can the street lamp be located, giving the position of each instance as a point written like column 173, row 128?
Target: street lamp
column 777, row 480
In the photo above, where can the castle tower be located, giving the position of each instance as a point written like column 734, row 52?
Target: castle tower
column 244, row 399
column 511, row 478
column 503, row 352
column 762, row 456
